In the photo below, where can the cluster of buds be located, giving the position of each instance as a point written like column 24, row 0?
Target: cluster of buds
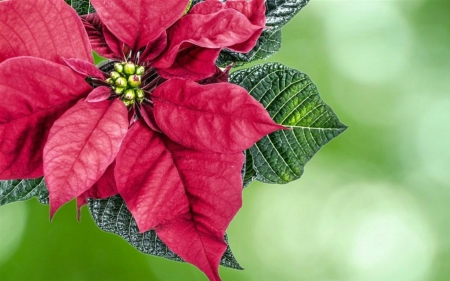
column 125, row 81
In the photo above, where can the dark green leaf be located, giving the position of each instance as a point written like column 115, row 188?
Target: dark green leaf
column 292, row 100
column 268, row 44
column 82, row 7
column 279, row 12
column 19, row 190
column 195, row 2
column 112, row 215
column 248, row 173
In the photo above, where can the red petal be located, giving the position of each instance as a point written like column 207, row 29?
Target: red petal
column 213, row 31
column 114, row 44
column 194, row 245
column 132, row 116
column 35, row 92
column 103, row 188
column 188, row 197
column 214, row 187
column 154, row 48
column 99, row 94
column 42, row 28
column 94, row 29
column 84, row 68
column 106, row 185
column 219, row 117
column 192, row 63
column 207, row 7
column 136, row 23
column 81, row 145
column 219, row 76
column 147, row 179
column 254, row 10
column 149, row 118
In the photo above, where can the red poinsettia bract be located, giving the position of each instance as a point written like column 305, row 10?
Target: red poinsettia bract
column 141, row 127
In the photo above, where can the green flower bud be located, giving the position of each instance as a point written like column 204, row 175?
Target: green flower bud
column 121, row 82
column 139, row 93
column 118, row 67
column 134, row 81
column 129, row 94
column 129, row 68
column 140, row 70
column 128, row 102
column 109, row 81
column 114, row 75
column 119, row 90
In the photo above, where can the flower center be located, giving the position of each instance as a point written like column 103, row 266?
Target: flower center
column 125, row 82
column 130, row 82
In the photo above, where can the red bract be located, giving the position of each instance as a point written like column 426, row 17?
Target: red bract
column 140, row 127
column 181, row 46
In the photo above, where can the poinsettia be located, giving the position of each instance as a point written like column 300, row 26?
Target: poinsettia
column 140, row 126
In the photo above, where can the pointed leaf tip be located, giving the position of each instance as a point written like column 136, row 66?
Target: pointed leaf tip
column 84, row 68
column 112, row 215
column 219, row 117
column 81, row 145
column 281, row 156
column 99, row 94
column 198, row 235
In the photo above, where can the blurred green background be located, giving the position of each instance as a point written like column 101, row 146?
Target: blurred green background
column 373, row 205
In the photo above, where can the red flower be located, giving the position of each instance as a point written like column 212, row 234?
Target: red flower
column 171, row 147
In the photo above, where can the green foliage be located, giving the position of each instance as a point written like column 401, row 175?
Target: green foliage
column 112, row 215
column 19, row 190
column 292, row 100
column 82, row 7
column 288, row 95
column 248, row 173
column 280, row 12
column 195, row 2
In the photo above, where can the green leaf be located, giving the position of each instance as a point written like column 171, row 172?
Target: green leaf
column 248, row 173
column 279, row 12
column 82, row 7
column 112, row 215
column 292, row 100
column 195, row 2
column 19, row 190
column 268, row 44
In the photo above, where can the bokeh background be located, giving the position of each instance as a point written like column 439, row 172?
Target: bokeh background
column 373, row 205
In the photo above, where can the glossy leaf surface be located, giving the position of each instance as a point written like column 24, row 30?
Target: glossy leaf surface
column 292, row 100
column 112, row 215
column 19, row 190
